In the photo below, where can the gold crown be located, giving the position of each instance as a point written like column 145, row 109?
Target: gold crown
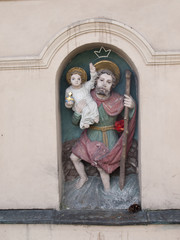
column 76, row 70
column 102, row 52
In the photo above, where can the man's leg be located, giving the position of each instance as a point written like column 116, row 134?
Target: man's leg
column 105, row 179
column 80, row 169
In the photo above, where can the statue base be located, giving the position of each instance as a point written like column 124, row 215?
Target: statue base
column 92, row 195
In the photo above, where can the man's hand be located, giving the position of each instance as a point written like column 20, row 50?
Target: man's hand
column 129, row 101
column 79, row 107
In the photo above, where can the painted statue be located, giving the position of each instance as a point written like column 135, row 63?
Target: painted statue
column 78, row 95
column 100, row 145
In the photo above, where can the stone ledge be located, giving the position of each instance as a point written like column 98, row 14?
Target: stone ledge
column 89, row 217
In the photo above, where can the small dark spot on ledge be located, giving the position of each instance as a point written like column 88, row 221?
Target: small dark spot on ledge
column 134, row 208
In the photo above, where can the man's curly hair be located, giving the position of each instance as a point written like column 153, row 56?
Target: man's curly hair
column 106, row 71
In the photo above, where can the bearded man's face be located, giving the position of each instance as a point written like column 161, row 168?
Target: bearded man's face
column 104, row 84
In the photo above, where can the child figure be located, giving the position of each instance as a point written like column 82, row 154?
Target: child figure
column 78, row 94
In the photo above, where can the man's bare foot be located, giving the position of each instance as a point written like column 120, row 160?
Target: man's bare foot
column 81, row 182
column 106, row 189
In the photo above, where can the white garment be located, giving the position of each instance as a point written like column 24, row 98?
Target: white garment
column 90, row 111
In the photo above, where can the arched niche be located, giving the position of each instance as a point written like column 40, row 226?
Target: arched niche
column 81, row 57
column 122, row 40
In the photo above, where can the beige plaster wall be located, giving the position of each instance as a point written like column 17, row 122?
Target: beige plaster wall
column 56, row 232
column 30, row 66
column 159, row 126
column 29, row 166
column 28, row 25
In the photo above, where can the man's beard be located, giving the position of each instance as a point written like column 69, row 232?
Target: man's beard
column 102, row 91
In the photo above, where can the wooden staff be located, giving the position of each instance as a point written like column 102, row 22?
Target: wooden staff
column 125, row 133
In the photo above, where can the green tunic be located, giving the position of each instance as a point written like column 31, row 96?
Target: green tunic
column 104, row 120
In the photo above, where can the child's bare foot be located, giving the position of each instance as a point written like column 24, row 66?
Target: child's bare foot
column 96, row 120
column 81, row 182
column 86, row 125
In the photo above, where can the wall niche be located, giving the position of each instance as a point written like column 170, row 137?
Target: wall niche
column 92, row 194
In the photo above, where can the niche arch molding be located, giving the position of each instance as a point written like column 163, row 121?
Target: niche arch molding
column 102, row 30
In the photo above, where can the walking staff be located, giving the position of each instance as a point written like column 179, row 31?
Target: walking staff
column 125, row 133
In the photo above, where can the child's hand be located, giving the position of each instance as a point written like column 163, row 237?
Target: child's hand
column 92, row 68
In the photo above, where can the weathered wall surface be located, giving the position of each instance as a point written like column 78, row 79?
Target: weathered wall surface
column 36, row 37
column 28, row 25
column 56, row 232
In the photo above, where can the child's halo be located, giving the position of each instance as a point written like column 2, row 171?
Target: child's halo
column 76, row 70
